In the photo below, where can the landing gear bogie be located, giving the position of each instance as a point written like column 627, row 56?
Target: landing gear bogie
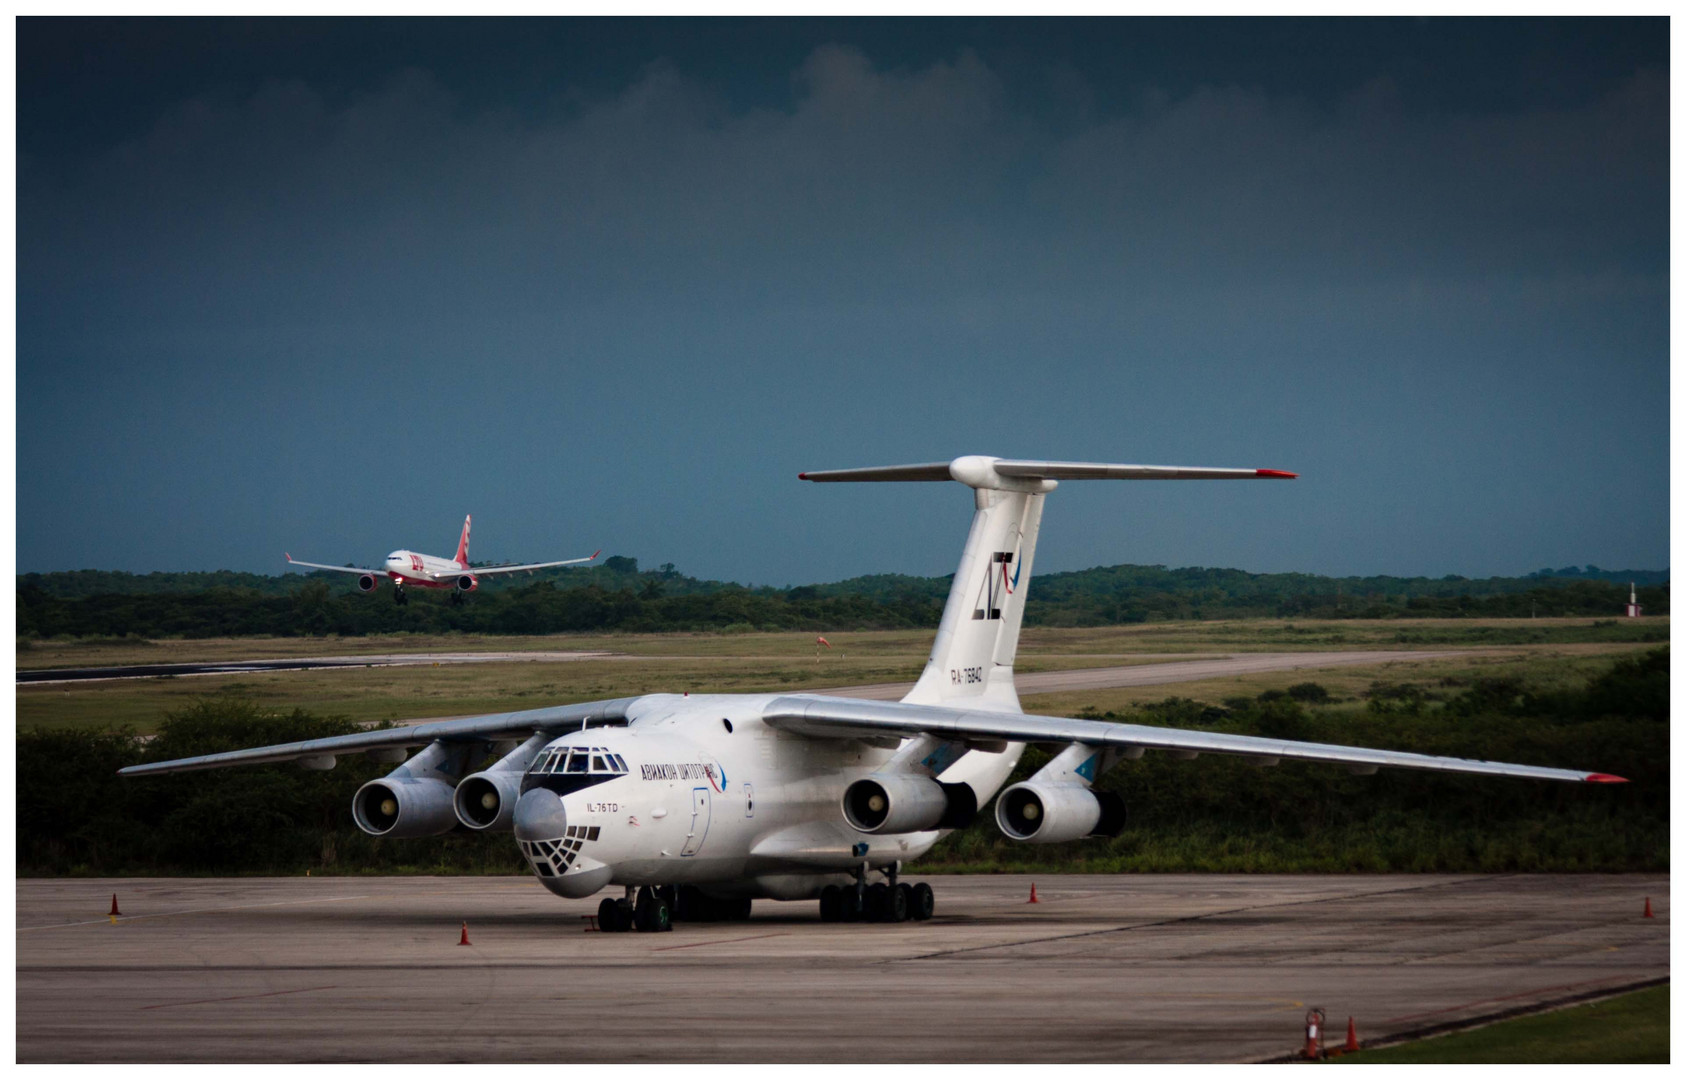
column 890, row 902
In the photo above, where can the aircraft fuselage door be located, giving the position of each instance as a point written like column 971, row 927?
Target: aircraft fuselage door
column 700, row 809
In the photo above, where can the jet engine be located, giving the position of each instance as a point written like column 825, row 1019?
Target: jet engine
column 404, row 808
column 485, row 801
column 367, row 582
column 468, row 583
column 415, row 799
column 907, row 802
column 1040, row 813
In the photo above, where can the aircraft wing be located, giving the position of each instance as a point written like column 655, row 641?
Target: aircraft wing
column 495, row 726
column 487, row 571
column 846, row 718
column 342, row 569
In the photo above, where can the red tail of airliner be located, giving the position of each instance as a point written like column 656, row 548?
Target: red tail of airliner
column 462, row 545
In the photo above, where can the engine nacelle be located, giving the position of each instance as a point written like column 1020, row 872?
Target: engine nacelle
column 907, row 802
column 367, row 582
column 486, row 801
column 468, row 583
column 1054, row 813
column 404, row 807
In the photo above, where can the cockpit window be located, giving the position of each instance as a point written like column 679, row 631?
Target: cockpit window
column 577, row 759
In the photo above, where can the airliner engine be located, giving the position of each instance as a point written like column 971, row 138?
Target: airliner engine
column 404, row 808
column 907, row 802
column 468, row 583
column 485, row 801
column 1040, row 813
column 367, row 582
column 415, row 799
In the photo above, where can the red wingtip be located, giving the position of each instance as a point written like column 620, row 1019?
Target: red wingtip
column 1277, row 474
column 1604, row 778
column 801, row 476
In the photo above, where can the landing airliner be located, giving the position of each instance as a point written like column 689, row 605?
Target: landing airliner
column 406, row 567
column 694, row 806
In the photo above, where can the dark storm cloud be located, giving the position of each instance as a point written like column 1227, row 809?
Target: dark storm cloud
column 650, row 304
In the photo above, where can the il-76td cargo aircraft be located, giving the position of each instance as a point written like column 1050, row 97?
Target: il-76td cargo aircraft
column 406, row 567
column 697, row 805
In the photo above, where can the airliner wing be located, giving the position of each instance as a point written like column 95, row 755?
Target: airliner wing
column 827, row 717
column 491, row 727
column 487, row 571
column 341, row 569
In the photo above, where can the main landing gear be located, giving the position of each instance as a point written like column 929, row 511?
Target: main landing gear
column 882, row 901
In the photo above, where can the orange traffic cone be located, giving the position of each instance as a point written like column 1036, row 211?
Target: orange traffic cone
column 464, row 940
column 1351, row 1035
column 1033, row 899
column 1648, row 914
column 115, row 912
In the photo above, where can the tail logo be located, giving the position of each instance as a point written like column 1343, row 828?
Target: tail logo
column 997, row 585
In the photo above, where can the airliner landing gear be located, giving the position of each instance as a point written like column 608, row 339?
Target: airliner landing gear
column 399, row 596
column 651, row 914
column 457, row 597
column 882, row 901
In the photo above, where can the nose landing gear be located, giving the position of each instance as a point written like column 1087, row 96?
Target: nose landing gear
column 399, row 596
column 650, row 913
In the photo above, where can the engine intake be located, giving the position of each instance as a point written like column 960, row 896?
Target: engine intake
column 1054, row 813
column 404, row 808
column 367, row 582
column 468, row 583
column 907, row 802
column 486, row 801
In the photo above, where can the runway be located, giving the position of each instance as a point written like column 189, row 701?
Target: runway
column 1192, row 670
column 1102, row 969
column 301, row 663
column 1187, row 668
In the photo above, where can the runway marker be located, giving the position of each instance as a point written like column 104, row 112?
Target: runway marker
column 727, row 941
column 193, row 911
column 236, row 997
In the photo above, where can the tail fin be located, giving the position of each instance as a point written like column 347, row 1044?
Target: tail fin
column 972, row 658
column 462, row 545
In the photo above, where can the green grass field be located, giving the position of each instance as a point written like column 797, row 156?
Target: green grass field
column 1630, row 1029
column 750, row 663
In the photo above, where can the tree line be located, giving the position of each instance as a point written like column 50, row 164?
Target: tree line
column 617, row 596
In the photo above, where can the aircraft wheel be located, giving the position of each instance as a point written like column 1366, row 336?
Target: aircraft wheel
column 652, row 915
column 735, row 910
column 877, row 902
column 609, row 918
column 901, row 902
column 853, row 905
column 924, row 902
column 831, row 904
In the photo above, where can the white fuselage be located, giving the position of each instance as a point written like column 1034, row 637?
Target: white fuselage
column 748, row 810
column 426, row 571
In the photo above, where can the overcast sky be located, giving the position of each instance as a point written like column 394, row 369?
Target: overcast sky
column 325, row 287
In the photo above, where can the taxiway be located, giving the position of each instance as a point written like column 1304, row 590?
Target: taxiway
column 1102, row 969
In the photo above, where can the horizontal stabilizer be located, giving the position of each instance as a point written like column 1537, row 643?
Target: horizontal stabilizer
column 1013, row 473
